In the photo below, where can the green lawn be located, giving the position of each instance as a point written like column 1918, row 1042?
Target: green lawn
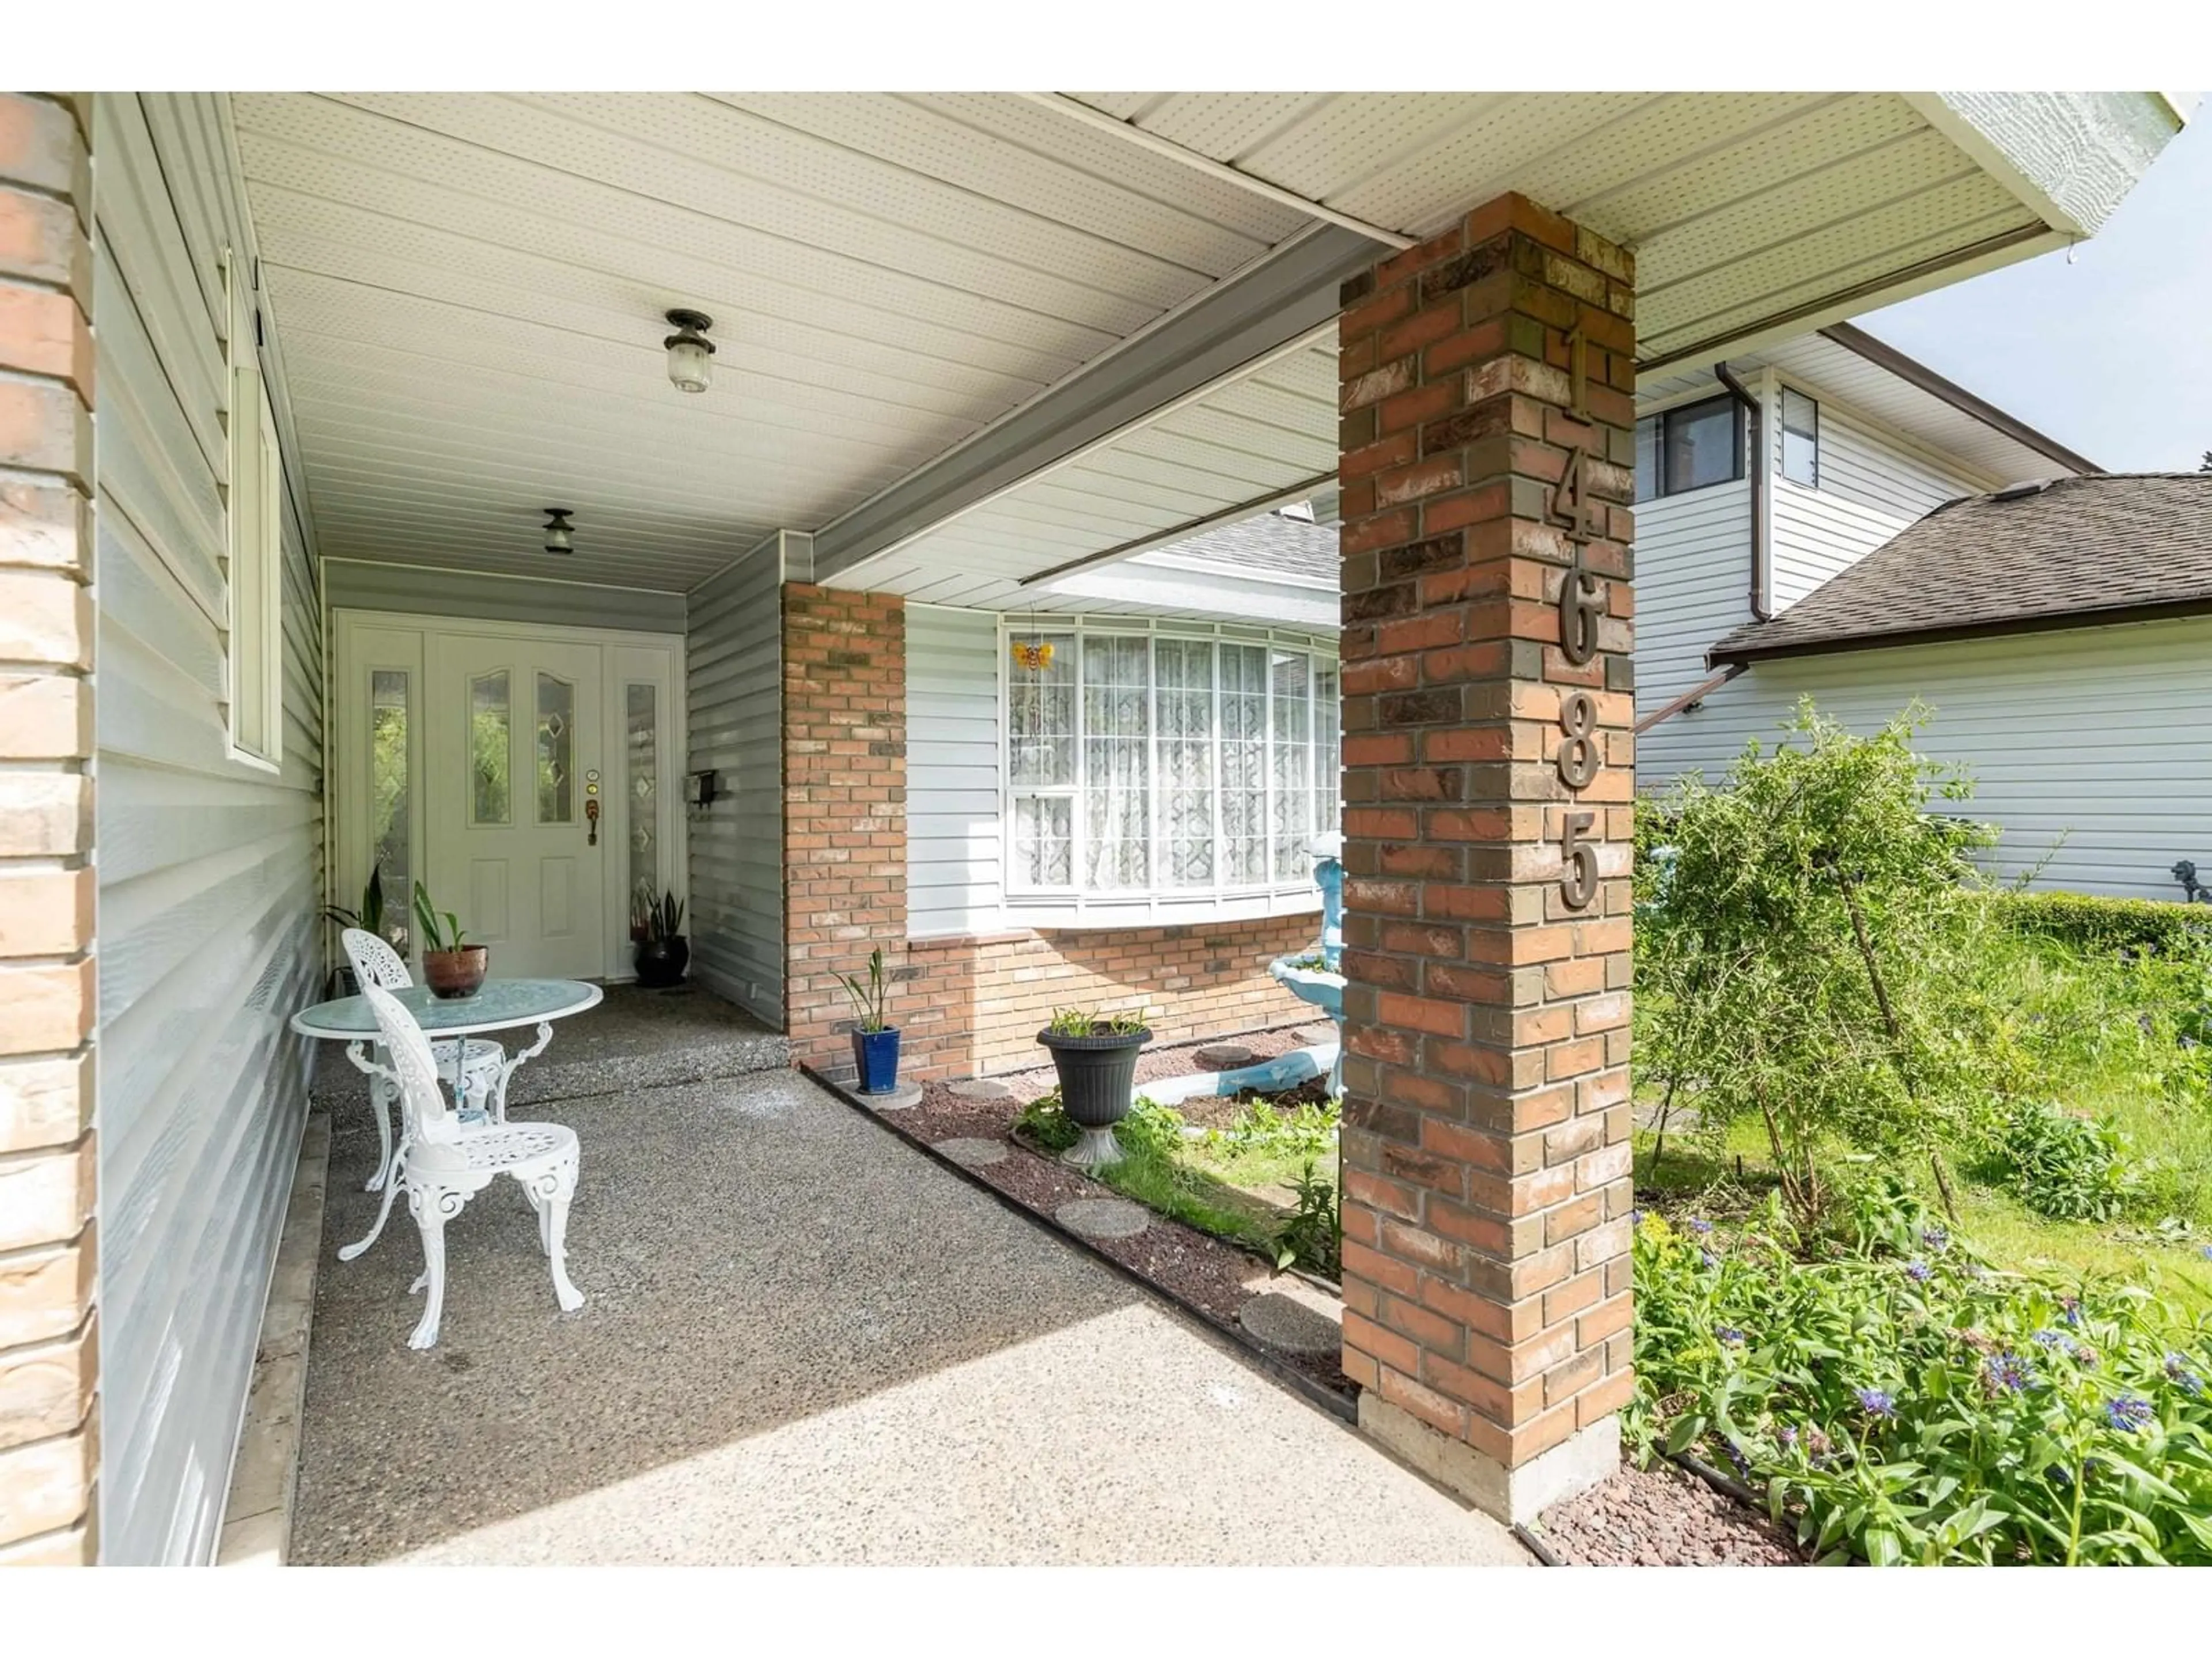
column 1694, row 1175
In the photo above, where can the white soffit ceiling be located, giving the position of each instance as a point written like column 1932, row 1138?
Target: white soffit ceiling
column 1269, row 431
column 469, row 290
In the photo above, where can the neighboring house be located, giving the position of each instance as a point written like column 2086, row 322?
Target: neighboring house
column 287, row 381
column 1760, row 508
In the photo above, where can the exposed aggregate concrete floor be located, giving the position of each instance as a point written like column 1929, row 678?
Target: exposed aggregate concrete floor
column 803, row 1342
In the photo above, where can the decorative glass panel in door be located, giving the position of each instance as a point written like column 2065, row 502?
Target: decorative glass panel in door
column 557, row 751
column 388, row 801
column 491, row 728
column 642, row 739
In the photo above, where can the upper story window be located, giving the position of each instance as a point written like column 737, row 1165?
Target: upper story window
column 1688, row 448
column 1156, row 764
column 254, row 572
column 1801, row 438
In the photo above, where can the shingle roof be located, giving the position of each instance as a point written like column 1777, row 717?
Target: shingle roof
column 1269, row 543
column 2073, row 552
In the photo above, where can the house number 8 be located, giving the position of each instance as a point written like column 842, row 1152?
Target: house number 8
column 1578, row 763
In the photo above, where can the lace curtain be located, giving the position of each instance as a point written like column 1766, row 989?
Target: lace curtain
column 1184, row 763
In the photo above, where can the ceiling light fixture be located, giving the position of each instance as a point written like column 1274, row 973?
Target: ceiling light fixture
column 560, row 534
column 690, row 353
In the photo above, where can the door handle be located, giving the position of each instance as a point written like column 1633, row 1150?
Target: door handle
column 591, row 817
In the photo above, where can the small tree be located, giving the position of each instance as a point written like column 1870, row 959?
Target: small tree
column 1796, row 940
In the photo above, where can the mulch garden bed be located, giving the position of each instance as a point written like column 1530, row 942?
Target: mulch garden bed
column 1208, row 1274
column 1662, row 1516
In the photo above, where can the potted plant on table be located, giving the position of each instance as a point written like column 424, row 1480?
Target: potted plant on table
column 663, row 953
column 450, row 968
column 1096, row 1055
column 369, row 918
column 875, row 1040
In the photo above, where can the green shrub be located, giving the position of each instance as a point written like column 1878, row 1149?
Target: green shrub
column 1799, row 941
column 2068, row 1168
column 1923, row 1407
column 2088, row 921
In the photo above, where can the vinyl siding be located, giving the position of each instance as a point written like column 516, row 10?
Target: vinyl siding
column 1693, row 585
column 734, row 700
column 953, row 881
column 210, row 869
column 1871, row 486
column 2091, row 749
column 361, row 585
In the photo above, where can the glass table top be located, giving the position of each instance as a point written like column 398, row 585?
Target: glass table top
column 497, row 1003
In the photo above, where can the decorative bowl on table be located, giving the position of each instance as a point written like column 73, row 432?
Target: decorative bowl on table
column 452, row 974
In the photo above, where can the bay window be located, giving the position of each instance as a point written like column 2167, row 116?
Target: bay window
column 1166, row 764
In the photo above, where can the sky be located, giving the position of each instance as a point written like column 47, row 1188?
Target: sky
column 2111, row 354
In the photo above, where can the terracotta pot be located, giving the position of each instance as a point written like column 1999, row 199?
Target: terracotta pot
column 452, row 974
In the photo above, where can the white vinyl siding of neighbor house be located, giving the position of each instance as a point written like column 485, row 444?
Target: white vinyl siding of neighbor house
column 1693, row 585
column 954, row 849
column 1872, row 484
column 209, row 866
column 2091, row 749
column 733, row 696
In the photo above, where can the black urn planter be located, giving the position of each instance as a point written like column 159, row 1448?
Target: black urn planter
column 1097, row 1085
column 661, row 962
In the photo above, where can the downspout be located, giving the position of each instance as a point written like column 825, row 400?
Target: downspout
column 1754, row 443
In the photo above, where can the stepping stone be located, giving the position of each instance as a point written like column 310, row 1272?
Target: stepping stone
column 906, row 1095
column 971, row 1152
column 981, row 1088
column 1309, row 1035
column 1225, row 1057
column 1284, row 1323
column 1104, row 1217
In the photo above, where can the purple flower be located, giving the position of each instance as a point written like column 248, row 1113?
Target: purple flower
column 1787, row 1437
column 1699, row 1225
column 2072, row 1310
column 1918, row 1272
column 1729, row 1335
column 2177, row 1367
column 1735, row 1457
column 1709, row 1259
column 2206, row 1253
column 2128, row 1414
column 1936, row 1239
column 1636, row 1218
column 2057, row 1342
column 2006, row 1373
column 1876, row 1402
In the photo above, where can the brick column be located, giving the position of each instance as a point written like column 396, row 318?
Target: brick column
column 1488, row 457
column 844, row 806
column 48, row 1347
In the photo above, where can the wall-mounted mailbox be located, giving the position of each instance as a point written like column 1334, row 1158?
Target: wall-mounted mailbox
column 699, row 788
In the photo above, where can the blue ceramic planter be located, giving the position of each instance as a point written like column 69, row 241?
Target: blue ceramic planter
column 875, row 1056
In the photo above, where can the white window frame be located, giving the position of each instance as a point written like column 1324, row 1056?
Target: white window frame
column 1785, row 396
column 1077, row 905
column 253, row 575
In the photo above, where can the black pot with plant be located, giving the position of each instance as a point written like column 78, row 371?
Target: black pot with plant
column 1096, row 1056
column 369, row 918
column 875, row 1039
column 450, row 968
column 663, row 954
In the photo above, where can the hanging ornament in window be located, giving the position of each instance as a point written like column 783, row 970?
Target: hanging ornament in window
column 1035, row 655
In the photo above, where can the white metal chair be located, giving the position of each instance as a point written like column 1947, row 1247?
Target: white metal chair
column 376, row 963
column 443, row 1163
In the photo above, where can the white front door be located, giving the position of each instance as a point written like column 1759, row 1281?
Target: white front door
column 514, row 797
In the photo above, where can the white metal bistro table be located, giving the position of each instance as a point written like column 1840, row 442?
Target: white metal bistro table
column 498, row 1005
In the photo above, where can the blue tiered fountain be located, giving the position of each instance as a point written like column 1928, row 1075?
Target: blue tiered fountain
column 1313, row 976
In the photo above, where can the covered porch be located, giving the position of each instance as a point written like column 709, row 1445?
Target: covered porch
column 410, row 555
